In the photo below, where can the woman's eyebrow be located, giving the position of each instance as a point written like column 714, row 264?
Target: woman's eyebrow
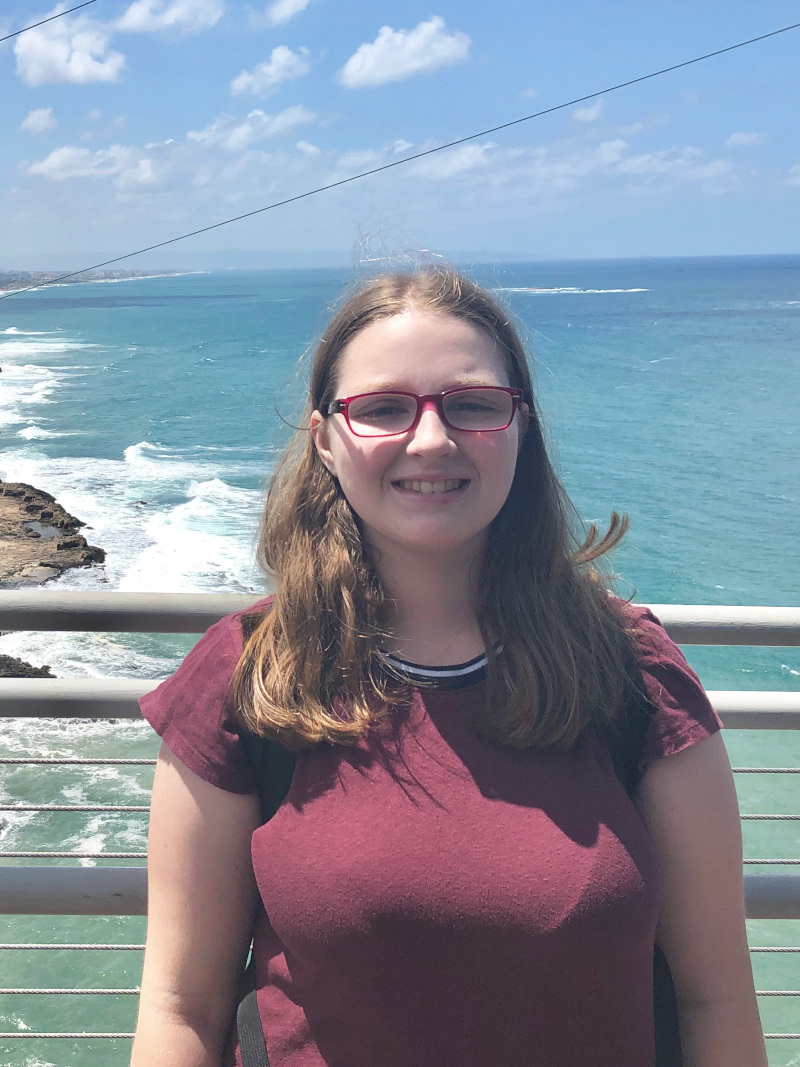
column 397, row 386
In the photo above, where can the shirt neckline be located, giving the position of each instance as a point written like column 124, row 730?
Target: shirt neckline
column 450, row 676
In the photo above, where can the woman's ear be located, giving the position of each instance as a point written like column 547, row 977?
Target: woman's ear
column 318, row 428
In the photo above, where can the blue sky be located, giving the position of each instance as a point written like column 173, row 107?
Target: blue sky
column 132, row 121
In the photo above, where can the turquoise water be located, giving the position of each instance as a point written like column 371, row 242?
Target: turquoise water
column 153, row 409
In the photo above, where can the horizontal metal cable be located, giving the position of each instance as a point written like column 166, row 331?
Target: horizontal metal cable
column 143, row 855
column 774, row 818
column 774, row 862
column 92, row 947
column 69, row 992
column 83, row 1036
column 94, row 762
column 76, row 1035
column 99, row 762
column 74, row 807
column 33, row 991
column 80, row 946
column 766, row 770
column 73, row 855
column 146, row 808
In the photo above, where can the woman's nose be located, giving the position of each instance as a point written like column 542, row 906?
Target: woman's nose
column 431, row 433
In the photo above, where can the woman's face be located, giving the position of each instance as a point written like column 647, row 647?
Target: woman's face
column 431, row 489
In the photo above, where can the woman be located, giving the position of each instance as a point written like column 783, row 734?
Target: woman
column 457, row 875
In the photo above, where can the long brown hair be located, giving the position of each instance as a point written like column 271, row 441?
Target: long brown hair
column 313, row 671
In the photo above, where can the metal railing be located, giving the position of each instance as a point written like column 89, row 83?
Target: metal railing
column 121, row 890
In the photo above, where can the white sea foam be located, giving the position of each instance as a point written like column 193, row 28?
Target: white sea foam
column 24, row 387
column 543, row 290
column 168, row 520
column 35, row 432
column 153, row 462
column 28, row 377
column 203, row 544
column 31, row 350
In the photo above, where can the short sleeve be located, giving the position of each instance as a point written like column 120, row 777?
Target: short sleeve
column 192, row 714
column 683, row 714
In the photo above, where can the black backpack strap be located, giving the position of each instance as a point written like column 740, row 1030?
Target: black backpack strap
column 280, row 768
column 280, row 764
column 626, row 744
column 249, row 1030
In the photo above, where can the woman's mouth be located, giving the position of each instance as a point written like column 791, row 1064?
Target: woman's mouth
column 449, row 485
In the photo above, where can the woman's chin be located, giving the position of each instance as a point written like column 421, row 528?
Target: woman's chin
column 427, row 540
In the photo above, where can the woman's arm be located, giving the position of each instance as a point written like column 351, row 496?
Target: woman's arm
column 689, row 805
column 202, row 901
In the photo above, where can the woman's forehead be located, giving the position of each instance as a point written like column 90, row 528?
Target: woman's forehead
column 419, row 347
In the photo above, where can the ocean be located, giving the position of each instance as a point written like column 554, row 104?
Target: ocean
column 153, row 409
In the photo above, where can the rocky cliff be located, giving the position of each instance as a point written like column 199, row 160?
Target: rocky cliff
column 39, row 540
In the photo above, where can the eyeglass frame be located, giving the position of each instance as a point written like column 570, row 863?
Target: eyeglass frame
column 341, row 406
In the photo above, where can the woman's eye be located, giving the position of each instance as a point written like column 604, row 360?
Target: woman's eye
column 381, row 411
column 474, row 405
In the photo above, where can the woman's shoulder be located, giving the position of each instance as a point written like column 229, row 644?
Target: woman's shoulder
column 682, row 714
column 192, row 709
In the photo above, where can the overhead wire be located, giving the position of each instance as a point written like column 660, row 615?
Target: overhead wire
column 406, row 159
column 33, row 25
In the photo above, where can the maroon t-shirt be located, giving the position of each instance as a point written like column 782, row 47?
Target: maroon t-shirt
column 435, row 900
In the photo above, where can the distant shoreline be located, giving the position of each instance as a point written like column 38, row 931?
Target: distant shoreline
column 14, row 281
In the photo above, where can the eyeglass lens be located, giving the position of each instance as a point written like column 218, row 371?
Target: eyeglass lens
column 468, row 409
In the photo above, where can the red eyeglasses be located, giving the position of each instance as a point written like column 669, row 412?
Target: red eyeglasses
column 475, row 408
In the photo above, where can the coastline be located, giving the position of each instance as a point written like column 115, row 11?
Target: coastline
column 22, row 280
column 39, row 539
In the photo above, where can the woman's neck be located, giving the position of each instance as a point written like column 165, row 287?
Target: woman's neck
column 435, row 618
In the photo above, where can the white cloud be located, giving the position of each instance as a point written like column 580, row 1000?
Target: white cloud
column 282, row 65
column 529, row 94
column 457, row 161
column 187, row 16
column 398, row 54
column 686, row 162
column 744, row 139
column 72, row 162
column 235, row 135
column 794, row 174
column 67, row 50
column 241, row 163
column 400, row 146
column 177, row 165
column 40, row 120
column 588, row 114
column 282, row 10
column 308, row 149
column 94, row 115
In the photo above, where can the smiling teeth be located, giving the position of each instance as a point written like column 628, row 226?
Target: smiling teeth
column 432, row 487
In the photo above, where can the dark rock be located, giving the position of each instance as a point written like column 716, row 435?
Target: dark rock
column 18, row 668
column 70, row 542
column 27, row 559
